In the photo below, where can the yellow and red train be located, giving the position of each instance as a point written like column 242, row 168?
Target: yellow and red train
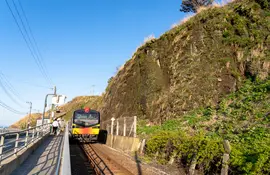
column 85, row 126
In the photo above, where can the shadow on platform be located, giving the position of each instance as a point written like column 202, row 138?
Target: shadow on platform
column 43, row 161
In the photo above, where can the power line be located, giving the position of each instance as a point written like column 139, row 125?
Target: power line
column 31, row 33
column 38, row 53
column 35, row 49
column 26, row 82
column 28, row 43
column 10, row 87
column 7, row 92
column 10, row 108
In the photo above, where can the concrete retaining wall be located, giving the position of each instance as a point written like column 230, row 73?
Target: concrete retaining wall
column 126, row 144
column 11, row 163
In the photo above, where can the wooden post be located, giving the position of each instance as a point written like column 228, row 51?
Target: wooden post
column 226, row 157
column 135, row 126
column 117, row 127
column 172, row 158
column 142, row 146
column 191, row 170
column 125, row 126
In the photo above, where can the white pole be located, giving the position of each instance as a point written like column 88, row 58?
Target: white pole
column 112, row 125
column 117, row 127
column 124, row 126
column 135, row 126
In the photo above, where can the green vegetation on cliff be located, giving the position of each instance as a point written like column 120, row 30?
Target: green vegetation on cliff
column 241, row 117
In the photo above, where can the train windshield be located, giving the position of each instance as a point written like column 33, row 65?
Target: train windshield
column 86, row 119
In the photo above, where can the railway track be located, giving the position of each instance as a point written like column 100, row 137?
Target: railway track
column 101, row 162
column 80, row 164
column 88, row 159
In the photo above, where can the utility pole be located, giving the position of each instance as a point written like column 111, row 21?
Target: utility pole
column 93, row 86
column 45, row 104
column 28, row 122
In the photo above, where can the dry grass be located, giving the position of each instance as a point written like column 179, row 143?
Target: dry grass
column 221, row 3
column 149, row 38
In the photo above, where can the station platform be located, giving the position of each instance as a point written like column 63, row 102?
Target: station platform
column 44, row 160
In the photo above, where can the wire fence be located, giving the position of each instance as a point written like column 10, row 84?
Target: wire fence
column 125, row 126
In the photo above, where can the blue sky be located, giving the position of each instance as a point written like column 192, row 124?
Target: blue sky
column 81, row 41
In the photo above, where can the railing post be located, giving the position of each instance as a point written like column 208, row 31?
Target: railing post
column 42, row 130
column 38, row 131
column 16, row 143
column 33, row 135
column 125, row 126
column 26, row 139
column 2, row 141
column 135, row 126
column 117, row 127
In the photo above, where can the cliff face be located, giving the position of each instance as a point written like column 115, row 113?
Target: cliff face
column 194, row 64
column 191, row 66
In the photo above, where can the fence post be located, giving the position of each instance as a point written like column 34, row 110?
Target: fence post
column 117, row 127
column 16, row 143
column 125, row 126
column 135, row 126
column 112, row 119
column 107, row 127
column 26, row 139
column 226, row 157
column 142, row 146
column 1, row 147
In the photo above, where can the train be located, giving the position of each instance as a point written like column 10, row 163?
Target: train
column 84, row 126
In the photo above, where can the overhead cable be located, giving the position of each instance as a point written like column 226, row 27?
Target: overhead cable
column 10, row 87
column 28, row 42
column 2, row 85
column 11, row 109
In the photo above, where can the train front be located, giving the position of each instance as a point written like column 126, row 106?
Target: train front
column 86, row 125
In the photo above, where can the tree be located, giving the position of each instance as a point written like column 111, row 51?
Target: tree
column 194, row 5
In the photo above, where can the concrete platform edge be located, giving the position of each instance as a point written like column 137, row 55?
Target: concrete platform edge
column 13, row 162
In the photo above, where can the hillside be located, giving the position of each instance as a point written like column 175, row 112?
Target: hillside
column 92, row 102
column 22, row 123
column 76, row 103
column 194, row 64
column 200, row 83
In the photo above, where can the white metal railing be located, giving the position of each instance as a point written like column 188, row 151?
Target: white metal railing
column 5, row 130
column 66, row 165
column 125, row 126
column 13, row 142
